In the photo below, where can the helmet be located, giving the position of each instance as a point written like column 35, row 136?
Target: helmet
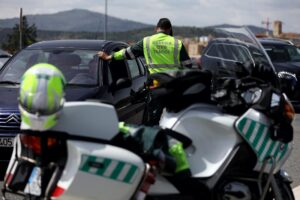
column 41, row 97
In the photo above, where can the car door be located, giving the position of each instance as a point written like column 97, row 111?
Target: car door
column 126, row 79
column 138, row 75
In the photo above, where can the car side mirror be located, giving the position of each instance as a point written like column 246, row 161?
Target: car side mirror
column 123, row 83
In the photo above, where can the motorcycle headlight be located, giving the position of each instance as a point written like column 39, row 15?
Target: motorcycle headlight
column 252, row 95
column 287, row 75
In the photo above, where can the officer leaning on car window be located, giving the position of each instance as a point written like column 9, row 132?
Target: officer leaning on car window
column 162, row 52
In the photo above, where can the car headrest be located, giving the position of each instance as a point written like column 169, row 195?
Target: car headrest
column 65, row 59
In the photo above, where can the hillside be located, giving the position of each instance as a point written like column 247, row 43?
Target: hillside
column 84, row 24
column 74, row 21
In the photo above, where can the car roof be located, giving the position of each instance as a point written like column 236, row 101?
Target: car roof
column 77, row 44
column 228, row 41
column 274, row 41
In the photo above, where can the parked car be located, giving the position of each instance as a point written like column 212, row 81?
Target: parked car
column 231, row 57
column 119, row 83
column 4, row 56
column 285, row 57
column 238, row 56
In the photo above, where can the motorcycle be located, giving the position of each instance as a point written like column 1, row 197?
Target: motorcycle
column 236, row 144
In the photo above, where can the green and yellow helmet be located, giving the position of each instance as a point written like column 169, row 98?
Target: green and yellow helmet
column 41, row 97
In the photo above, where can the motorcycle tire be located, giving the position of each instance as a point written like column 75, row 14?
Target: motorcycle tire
column 285, row 190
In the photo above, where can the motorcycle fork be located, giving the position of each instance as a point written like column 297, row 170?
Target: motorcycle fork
column 270, row 180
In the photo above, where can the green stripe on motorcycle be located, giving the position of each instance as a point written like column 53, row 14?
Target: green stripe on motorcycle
column 258, row 135
column 262, row 144
column 132, row 171
column 108, row 168
column 250, row 129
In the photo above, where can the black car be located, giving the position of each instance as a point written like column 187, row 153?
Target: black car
column 285, row 57
column 231, row 57
column 120, row 83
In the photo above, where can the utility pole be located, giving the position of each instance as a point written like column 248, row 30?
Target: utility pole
column 267, row 23
column 21, row 29
column 105, row 21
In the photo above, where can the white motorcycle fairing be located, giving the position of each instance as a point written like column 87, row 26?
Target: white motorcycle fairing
column 93, row 170
column 212, row 132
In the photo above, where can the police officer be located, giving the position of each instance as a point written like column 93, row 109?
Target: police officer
column 162, row 53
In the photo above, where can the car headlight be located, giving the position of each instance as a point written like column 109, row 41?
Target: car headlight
column 287, row 75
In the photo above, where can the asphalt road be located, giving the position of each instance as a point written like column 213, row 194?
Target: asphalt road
column 292, row 166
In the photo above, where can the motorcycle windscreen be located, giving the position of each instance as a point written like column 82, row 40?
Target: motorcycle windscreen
column 254, row 127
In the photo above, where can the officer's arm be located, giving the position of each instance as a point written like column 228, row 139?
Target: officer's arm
column 129, row 53
column 185, row 59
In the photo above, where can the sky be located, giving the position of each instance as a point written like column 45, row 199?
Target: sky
column 198, row 13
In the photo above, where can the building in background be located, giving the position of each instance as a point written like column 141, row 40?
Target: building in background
column 279, row 34
column 277, row 28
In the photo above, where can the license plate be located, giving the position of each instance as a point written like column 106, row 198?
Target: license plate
column 6, row 141
column 34, row 183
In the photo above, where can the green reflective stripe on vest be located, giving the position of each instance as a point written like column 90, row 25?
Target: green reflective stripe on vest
column 147, row 50
column 131, row 55
column 162, row 49
column 176, row 51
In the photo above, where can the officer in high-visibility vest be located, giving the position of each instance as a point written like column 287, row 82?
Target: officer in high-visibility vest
column 162, row 52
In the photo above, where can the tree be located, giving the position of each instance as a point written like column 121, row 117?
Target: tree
column 29, row 35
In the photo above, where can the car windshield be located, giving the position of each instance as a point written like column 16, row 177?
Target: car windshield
column 80, row 67
column 283, row 53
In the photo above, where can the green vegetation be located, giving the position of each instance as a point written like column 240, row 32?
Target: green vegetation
column 29, row 35
column 127, row 36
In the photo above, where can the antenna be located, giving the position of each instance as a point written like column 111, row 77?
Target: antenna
column 21, row 28
column 267, row 23
column 105, row 21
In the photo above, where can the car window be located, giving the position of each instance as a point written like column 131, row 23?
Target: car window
column 230, row 52
column 294, row 53
column 142, row 64
column 277, row 53
column 283, row 53
column 78, row 66
column 212, row 51
column 133, row 68
column 118, row 70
